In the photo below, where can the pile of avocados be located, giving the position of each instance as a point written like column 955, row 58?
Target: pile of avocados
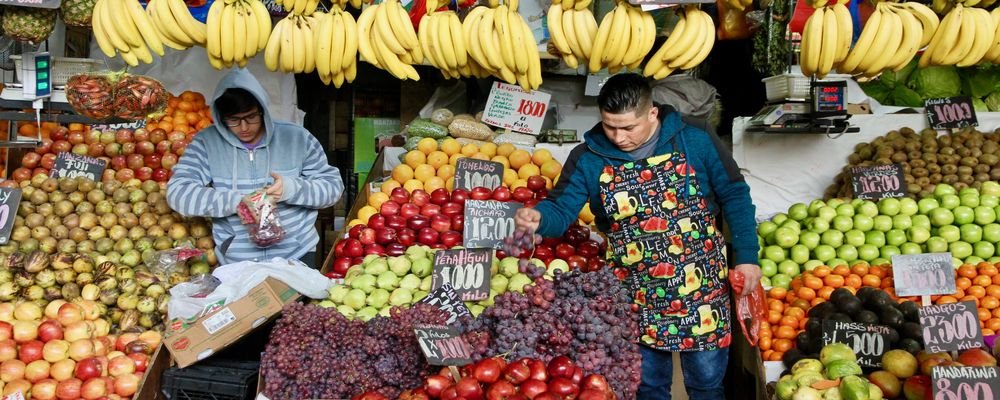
column 869, row 306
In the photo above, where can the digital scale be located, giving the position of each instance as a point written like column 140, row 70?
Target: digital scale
column 824, row 112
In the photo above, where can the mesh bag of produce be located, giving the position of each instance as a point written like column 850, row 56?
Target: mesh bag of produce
column 140, row 97
column 92, row 95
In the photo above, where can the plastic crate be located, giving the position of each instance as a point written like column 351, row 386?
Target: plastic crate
column 793, row 85
column 212, row 380
column 62, row 68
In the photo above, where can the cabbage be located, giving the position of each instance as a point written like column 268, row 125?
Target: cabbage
column 979, row 105
column 993, row 101
column 933, row 82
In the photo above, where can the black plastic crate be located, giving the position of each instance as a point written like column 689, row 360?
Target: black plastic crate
column 212, row 380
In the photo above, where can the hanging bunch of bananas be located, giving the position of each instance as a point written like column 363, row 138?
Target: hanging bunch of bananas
column 123, row 28
column 942, row 7
column 501, row 41
column 300, row 7
column 573, row 32
column 578, row 5
column 993, row 54
column 290, row 47
column 387, row 40
column 890, row 39
column 235, row 31
column 336, row 46
column 964, row 38
column 826, row 40
column 687, row 46
column 741, row 5
column 624, row 37
column 178, row 28
column 442, row 40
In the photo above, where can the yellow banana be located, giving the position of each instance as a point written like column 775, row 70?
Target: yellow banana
column 365, row 24
column 423, row 36
column 582, row 5
column 600, row 41
column 409, row 35
column 569, row 30
column 228, row 48
column 350, row 41
column 470, row 25
column 102, row 37
column 263, row 22
column 534, row 62
column 142, row 54
column 695, row 46
column 444, row 41
column 619, row 37
column 864, row 42
column 130, row 58
column 500, row 24
column 913, row 32
column 812, row 37
column 555, row 24
column 583, row 34
column 875, row 62
column 984, row 35
column 647, row 19
column 928, row 19
column 656, row 61
column 385, row 30
column 686, row 34
column 124, row 23
column 489, row 41
column 287, row 44
column 945, row 37
column 145, row 26
column 192, row 27
column 457, row 39
column 845, row 31
column 387, row 58
column 272, row 50
column 708, row 41
column 520, row 47
column 239, row 33
column 351, row 72
column 299, row 61
column 966, row 37
column 169, row 23
column 213, row 33
column 993, row 53
column 108, row 22
column 308, row 46
column 324, row 41
column 252, row 32
column 829, row 43
column 636, row 28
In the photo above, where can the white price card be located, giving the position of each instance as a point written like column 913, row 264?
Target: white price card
column 510, row 107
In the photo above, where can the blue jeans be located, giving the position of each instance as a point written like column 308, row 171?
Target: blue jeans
column 703, row 373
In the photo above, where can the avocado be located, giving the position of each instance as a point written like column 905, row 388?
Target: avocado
column 867, row 317
column 840, row 294
column 792, row 356
column 839, row 317
column 912, row 330
column 804, row 342
column 891, row 317
column 878, row 304
column 911, row 312
column 892, row 337
column 822, row 310
column 848, row 305
column 866, row 292
column 910, row 345
column 814, row 326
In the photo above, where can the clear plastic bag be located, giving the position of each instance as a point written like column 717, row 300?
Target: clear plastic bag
column 750, row 309
column 260, row 214
column 164, row 262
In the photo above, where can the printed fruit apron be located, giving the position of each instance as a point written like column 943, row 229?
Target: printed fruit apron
column 665, row 248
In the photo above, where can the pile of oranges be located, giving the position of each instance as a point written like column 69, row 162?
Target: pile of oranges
column 979, row 283
column 188, row 113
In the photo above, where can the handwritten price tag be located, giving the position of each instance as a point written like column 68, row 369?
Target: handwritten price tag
column 878, row 182
column 32, row 3
column 443, row 345
column 868, row 341
column 965, row 383
column 510, row 107
column 133, row 125
column 923, row 274
column 488, row 222
column 445, row 299
column 951, row 327
column 951, row 112
column 467, row 270
column 10, row 200
column 70, row 165
column 471, row 173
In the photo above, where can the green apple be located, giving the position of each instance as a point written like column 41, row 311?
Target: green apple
column 836, row 262
column 960, row 249
column 827, row 213
column 785, row 237
column 835, row 202
column 881, row 261
column 973, row 260
column 985, row 215
column 926, row 204
column 968, row 191
column 774, row 253
column 818, row 225
column 994, row 259
column 955, row 263
column 846, row 210
column 814, row 207
column 792, row 224
column 811, row 265
column 809, row 239
column 768, row 268
column 895, row 237
column 875, row 238
column 857, row 203
column 882, row 223
column 769, row 238
column 950, row 201
column 990, row 188
column 799, row 254
column 824, row 252
column 918, row 234
column 863, row 222
column 942, row 189
column 766, row 228
column 847, row 252
column 969, row 200
column 781, row 280
column 798, row 211
column 888, row 251
column 989, row 200
column 854, row 237
column 991, row 233
column 868, row 252
column 779, row 218
column 941, row 217
column 843, row 223
column 971, row 233
column 789, row 267
column 902, row 222
column 951, row 233
column 832, row 238
column 766, row 282
column 867, row 208
column 910, row 248
column 921, row 221
column 908, row 206
column 937, row 244
column 888, row 206
column 983, row 249
column 963, row 215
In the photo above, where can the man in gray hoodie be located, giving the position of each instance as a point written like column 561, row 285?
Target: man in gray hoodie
column 244, row 151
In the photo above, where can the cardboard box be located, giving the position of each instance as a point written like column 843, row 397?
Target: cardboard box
column 151, row 383
column 189, row 343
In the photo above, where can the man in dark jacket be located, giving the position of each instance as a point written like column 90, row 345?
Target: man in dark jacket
column 657, row 187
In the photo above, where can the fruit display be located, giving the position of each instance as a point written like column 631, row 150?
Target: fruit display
column 77, row 12
column 187, row 113
column 688, row 45
column 836, row 232
column 905, row 376
column 835, row 369
column 301, row 7
column 965, row 37
column 443, row 44
column 123, row 28
column 966, row 159
column 177, row 28
column 978, row 283
column 233, row 33
column 573, row 32
column 336, row 47
column 501, row 42
column 631, row 34
column 64, row 351
column 388, row 40
column 291, row 46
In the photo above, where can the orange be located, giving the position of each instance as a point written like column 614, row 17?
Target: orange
column 528, row 170
column 765, row 344
column 860, row 269
column 987, row 269
column 519, row 158
column 821, row 271
column 782, row 345
column 824, row 292
column 773, row 317
column 984, row 314
column 450, row 146
column 802, row 322
column 540, row 156
column 806, row 293
column 789, row 321
column 834, row 281
column 970, row 298
column 976, row 290
column 481, row 156
column 412, row 185
column 166, row 125
column 423, row 172
column 776, row 356
column 812, row 282
column 427, row 145
column 501, row 160
column 982, row 280
column 963, row 282
column 777, row 293
column 796, row 312
column 853, row 281
column 446, row 171
column 877, row 271
column 510, row 177
column 990, row 302
column 192, row 118
column 959, row 293
column 993, row 290
column 988, row 332
column 413, row 158
column 784, row 332
column 842, row 270
column 996, row 279
column 891, row 291
column 871, row 280
column 433, row 183
column 387, row 186
column 888, row 282
column 454, row 158
column 488, row 149
column 967, row 271
column 551, row 169
column 402, row 173
column 796, row 284
column 775, row 305
column 28, row 129
column 376, row 199
column 505, row 149
column 946, row 300
column 469, row 150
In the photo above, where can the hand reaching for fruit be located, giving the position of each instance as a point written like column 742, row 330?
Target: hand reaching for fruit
column 751, row 277
column 527, row 219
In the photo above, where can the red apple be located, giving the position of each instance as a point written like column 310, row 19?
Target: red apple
column 157, row 135
column 61, row 146
column 178, row 147
column 419, row 197
column 75, row 138
column 375, row 249
column 152, row 160
column 502, row 193
column 452, row 208
column 389, row 208
column 141, row 361
column 128, row 148
column 135, row 161
column 88, row 368
column 140, row 135
column 458, row 223
column 163, row 147
column 430, row 210
column 588, row 248
column 144, row 173
column 395, row 249
column 517, row 372
column 367, row 236
column 177, row 136
column 536, row 183
column 440, row 223
column 418, row 222
column 353, row 248
column 123, row 136
column 406, row 237
column 95, row 150
column 427, row 236
column 440, row 196
column 523, row 194
column 341, row 265
column 469, row 389
column 169, row 160
column 30, row 351
column 400, row 196
column 92, row 136
column 145, row 148
column 45, row 147
column 385, row 236
column 395, row 222
column 376, row 221
column 533, row 387
column 60, row 133
column 50, row 330
column 459, row 196
column 80, row 149
column 480, row 193
column 451, row 238
column 408, row 210
column 124, row 175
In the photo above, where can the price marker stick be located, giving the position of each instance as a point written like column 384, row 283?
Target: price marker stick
column 454, row 373
column 925, row 300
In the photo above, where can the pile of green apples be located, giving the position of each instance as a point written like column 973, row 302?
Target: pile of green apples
column 846, row 232
column 380, row 283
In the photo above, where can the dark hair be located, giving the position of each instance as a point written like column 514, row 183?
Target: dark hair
column 624, row 93
column 235, row 101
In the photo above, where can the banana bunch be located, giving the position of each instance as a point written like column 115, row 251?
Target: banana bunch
column 891, row 38
column 178, row 28
column 964, row 38
column 687, row 46
column 993, row 54
column 387, row 40
column 739, row 4
column 236, row 31
column 624, row 38
column 290, row 46
column 573, row 32
column 123, row 28
column 442, row 40
column 336, row 46
column 300, row 7
column 501, row 42
column 942, row 7
column 826, row 40
column 571, row 4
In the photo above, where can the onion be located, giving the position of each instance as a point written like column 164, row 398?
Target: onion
column 27, row 311
column 63, row 370
column 11, row 370
column 44, row 389
column 36, row 370
column 25, row 331
column 126, row 385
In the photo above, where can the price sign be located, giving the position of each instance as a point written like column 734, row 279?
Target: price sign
column 471, row 173
column 878, row 182
column 70, row 165
column 32, row 3
column 467, row 270
column 510, row 107
column 443, row 345
column 923, row 274
column 133, row 125
column 965, row 383
column 868, row 341
column 487, row 223
column 446, row 299
column 10, row 200
column 951, row 327
column 951, row 112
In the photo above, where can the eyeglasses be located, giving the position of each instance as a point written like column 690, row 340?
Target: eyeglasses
column 252, row 119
